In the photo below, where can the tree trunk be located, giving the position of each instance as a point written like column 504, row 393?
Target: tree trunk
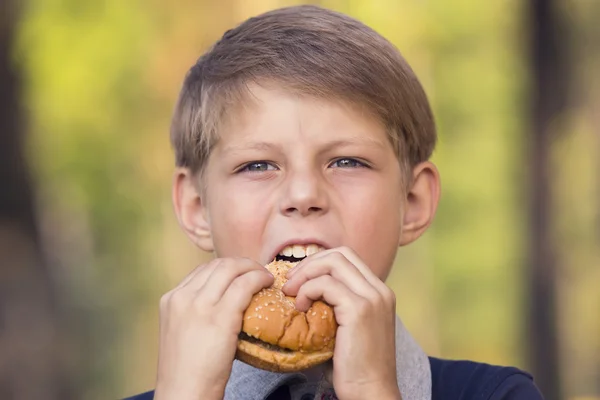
column 32, row 363
column 548, row 94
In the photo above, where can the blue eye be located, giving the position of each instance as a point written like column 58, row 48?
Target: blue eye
column 347, row 163
column 258, row 166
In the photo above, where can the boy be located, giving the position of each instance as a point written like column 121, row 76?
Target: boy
column 304, row 127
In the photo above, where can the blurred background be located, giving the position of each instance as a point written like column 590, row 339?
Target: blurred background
column 508, row 274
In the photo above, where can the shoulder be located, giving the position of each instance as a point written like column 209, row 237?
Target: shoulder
column 142, row 396
column 466, row 380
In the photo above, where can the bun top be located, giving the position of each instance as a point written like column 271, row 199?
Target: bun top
column 272, row 317
column 279, row 269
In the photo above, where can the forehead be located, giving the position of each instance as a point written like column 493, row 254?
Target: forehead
column 276, row 115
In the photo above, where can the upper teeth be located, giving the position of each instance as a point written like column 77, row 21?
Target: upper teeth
column 300, row 251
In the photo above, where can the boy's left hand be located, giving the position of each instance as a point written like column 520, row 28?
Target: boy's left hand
column 364, row 361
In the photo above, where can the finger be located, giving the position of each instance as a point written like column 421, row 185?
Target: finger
column 354, row 259
column 191, row 282
column 336, row 265
column 222, row 277
column 238, row 295
column 364, row 269
column 329, row 289
column 386, row 294
column 199, row 275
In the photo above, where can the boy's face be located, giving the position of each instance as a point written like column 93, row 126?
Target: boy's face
column 296, row 170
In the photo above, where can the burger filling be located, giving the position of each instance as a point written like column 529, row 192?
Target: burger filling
column 265, row 345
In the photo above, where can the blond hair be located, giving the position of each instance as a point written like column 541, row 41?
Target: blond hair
column 310, row 51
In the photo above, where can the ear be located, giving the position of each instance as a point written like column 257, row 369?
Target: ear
column 190, row 209
column 421, row 202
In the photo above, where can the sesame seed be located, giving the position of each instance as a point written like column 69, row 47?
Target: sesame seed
column 256, row 309
column 323, row 317
column 260, row 317
column 272, row 309
column 266, row 318
column 314, row 313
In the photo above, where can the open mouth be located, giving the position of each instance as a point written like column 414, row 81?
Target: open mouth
column 298, row 252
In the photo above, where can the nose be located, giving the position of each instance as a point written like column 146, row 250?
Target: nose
column 304, row 194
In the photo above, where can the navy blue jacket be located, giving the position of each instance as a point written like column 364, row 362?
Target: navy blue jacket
column 467, row 380
column 457, row 380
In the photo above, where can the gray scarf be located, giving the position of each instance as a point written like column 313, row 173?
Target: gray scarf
column 412, row 371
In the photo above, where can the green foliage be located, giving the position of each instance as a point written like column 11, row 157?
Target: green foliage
column 101, row 79
column 85, row 97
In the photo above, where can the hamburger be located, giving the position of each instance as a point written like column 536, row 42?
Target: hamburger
column 277, row 337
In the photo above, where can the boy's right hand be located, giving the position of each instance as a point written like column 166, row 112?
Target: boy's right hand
column 199, row 325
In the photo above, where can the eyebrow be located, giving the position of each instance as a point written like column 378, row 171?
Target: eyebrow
column 354, row 141
column 264, row 146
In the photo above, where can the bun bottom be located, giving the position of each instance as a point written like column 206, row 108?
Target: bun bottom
column 265, row 357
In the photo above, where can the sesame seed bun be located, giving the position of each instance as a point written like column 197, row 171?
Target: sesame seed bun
column 277, row 337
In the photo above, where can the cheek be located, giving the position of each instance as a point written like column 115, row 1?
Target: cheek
column 237, row 222
column 373, row 227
